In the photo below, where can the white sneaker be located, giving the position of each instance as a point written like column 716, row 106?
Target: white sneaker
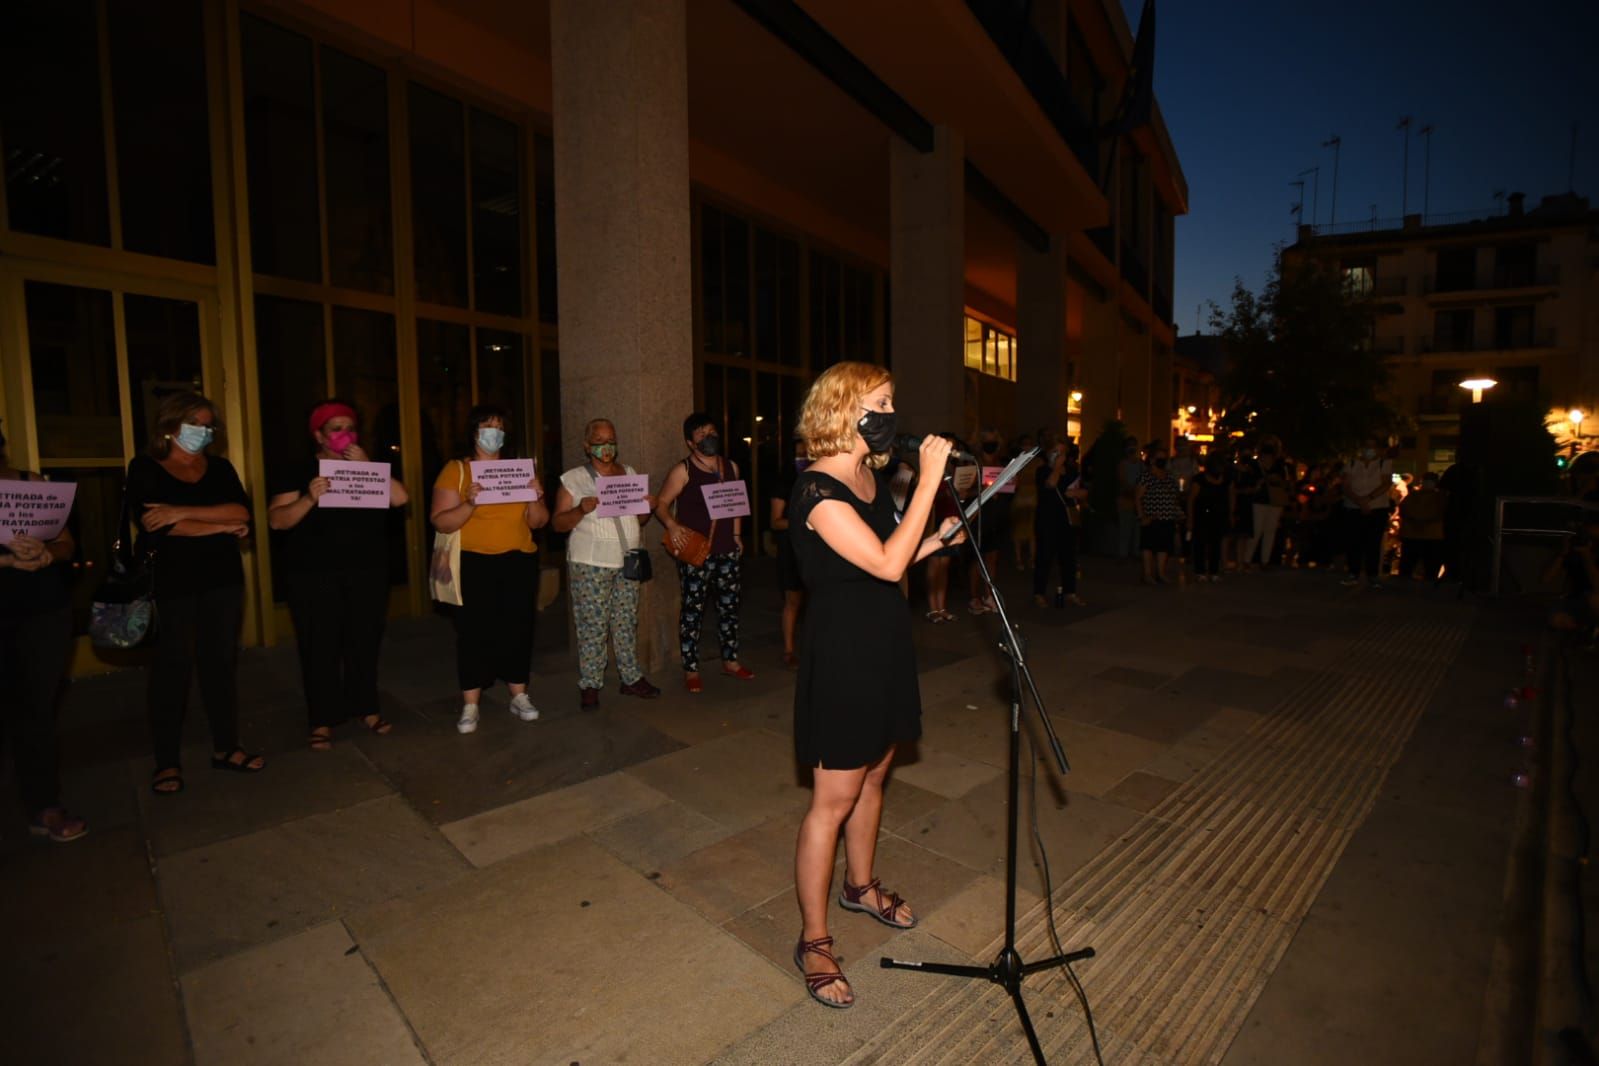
column 523, row 707
column 467, row 723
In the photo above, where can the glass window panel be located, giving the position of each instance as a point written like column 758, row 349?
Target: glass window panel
column 364, row 373
column 788, row 303
column 355, row 137
column 502, row 379
column 163, row 355
column 713, row 301
column 496, row 214
column 824, row 311
column 544, row 203
column 50, row 120
column 292, row 375
column 73, row 354
column 280, row 146
column 765, row 294
column 736, row 285
column 95, row 511
column 550, row 415
column 444, row 357
column 163, row 130
column 438, row 196
column 974, row 343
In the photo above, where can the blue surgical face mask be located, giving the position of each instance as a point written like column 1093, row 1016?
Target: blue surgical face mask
column 491, row 439
column 192, row 438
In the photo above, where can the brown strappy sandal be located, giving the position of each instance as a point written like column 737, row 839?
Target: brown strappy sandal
column 850, row 899
column 816, row 981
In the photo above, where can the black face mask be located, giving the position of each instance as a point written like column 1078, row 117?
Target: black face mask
column 878, row 429
column 709, row 445
column 990, row 447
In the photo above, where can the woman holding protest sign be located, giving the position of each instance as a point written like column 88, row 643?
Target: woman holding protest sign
column 604, row 581
column 707, row 548
column 335, row 562
column 192, row 511
column 35, row 647
column 499, row 575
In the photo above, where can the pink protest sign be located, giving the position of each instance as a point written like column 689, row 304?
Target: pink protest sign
column 727, row 499
column 34, row 508
column 504, row 481
column 354, row 484
column 991, row 475
column 622, row 495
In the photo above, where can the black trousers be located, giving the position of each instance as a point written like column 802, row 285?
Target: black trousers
column 1055, row 545
column 1427, row 554
column 338, row 626
column 34, row 651
column 199, row 632
column 494, row 624
column 1206, row 546
column 1366, row 529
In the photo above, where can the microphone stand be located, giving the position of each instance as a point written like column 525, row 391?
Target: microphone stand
column 1008, row 969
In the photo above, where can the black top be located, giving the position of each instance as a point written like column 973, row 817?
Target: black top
column 1211, row 510
column 856, row 693
column 29, row 593
column 332, row 538
column 691, row 509
column 1054, row 506
column 1248, row 477
column 187, row 565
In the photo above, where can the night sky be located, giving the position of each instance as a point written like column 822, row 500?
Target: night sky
column 1250, row 89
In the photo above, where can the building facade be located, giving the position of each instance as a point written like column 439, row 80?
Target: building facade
column 1511, row 297
column 574, row 208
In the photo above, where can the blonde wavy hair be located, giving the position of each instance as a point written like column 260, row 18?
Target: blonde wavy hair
column 833, row 406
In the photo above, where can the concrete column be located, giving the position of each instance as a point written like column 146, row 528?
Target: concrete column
column 927, row 282
column 1096, row 368
column 623, row 247
column 1041, row 384
column 1135, row 367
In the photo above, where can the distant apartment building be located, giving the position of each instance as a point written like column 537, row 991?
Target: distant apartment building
column 1512, row 297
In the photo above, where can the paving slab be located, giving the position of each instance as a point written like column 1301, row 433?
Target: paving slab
column 307, row 1000
column 974, row 918
column 1163, row 716
column 659, row 836
column 738, row 780
column 554, row 954
column 522, row 826
column 224, row 897
column 1202, row 746
column 216, row 805
column 103, row 995
column 1141, row 792
column 448, row 776
column 943, row 773
column 1101, row 757
column 730, row 876
column 1230, row 688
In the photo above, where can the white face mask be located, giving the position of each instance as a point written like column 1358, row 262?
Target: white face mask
column 491, row 439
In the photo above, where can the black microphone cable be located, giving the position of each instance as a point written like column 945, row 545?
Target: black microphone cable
column 1049, row 900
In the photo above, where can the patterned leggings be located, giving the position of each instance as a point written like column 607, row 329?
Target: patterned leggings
column 604, row 603
column 721, row 571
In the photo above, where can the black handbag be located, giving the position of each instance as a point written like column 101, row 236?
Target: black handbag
column 122, row 614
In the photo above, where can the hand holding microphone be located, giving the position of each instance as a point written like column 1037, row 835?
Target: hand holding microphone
column 907, row 443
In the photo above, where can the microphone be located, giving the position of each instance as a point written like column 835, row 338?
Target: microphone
column 910, row 443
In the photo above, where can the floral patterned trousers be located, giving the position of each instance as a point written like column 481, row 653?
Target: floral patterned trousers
column 721, row 574
column 604, row 603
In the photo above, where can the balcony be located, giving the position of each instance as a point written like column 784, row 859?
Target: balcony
column 1502, row 277
column 1390, row 286
column 1444, row 342
column 1522, row 277
column 1442, row 405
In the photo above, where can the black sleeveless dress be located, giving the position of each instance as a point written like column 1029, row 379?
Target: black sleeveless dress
column 856, row 693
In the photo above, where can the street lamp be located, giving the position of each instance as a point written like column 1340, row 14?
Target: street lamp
column 1575, row 417
column 1478, row 386
column 1077, row 397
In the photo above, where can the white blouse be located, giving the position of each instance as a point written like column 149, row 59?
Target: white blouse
column 597, row 541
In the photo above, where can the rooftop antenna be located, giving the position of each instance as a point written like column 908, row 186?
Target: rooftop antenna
column 1499, row 200
column 1404, row 179
column 1334, row 142
column 1298, row 210
column 1315, row 192
column 1426, row 169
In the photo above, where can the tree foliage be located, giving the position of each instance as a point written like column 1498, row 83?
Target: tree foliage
column 1300, row 363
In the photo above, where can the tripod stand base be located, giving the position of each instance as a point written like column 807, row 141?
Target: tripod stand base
column 1007, row 971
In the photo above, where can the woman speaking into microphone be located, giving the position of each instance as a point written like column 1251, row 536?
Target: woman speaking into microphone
column 856, row 697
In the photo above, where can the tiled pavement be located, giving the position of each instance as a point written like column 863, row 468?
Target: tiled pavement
column 617, row 886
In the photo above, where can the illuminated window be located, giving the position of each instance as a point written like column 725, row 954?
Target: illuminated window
column 990, row 350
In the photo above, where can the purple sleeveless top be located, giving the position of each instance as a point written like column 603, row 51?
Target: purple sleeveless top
column 691, row 510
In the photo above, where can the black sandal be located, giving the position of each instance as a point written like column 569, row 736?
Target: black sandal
column 376, row 724
column 173, row 776
column 242, row 766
